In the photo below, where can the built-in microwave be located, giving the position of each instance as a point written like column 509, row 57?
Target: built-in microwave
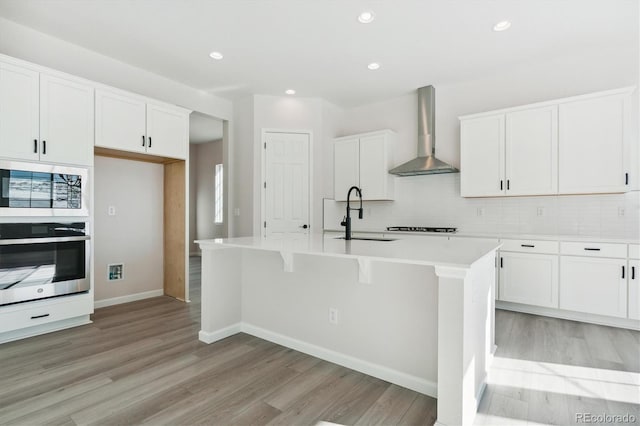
column 30, row 189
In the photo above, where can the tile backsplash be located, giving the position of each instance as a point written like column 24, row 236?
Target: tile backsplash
column 435, row 201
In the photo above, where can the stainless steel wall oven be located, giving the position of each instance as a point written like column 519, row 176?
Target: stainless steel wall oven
column 43, row 260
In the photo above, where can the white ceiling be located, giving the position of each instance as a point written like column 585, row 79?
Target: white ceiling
column 204, row 128
column 318, row 47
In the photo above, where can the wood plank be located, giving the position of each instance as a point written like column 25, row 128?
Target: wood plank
column 175, row 230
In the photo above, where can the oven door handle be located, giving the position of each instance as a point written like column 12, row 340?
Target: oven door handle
column 43, row 240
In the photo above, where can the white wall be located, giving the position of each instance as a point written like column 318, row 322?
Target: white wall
column 242, row 168
column 193, row 191
column 28, row 44
column 134, row 236
column 435, row 200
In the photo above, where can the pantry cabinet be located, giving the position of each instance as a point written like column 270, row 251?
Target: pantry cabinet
column 575, row 145
column 364, row 160
column 45, row 117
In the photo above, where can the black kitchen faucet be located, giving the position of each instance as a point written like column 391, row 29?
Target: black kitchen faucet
column 346, row 222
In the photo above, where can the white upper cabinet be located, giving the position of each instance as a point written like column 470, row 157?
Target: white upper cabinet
column 19, row 113
column 532, row 151
column 594, row 142
column 130, row 123
column 66, row 121
column 576, row 145
column 364, row 161
column 167, row 131
column 346, row 162
column 120, row 122
column 45, row 117
column 482, row 156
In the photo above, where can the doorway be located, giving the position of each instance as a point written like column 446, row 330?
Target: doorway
column 207, row 184
column 286, row 182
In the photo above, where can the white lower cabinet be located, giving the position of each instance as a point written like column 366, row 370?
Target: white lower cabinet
column 529, row 278
column 634, row 289
column 594, row 285
column 31, row 314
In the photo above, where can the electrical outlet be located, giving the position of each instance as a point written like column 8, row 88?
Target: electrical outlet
column 333, row 316
column 480, row 211
column 111, row 210
column 540, row 211
column 620, row 211
column 236, row 211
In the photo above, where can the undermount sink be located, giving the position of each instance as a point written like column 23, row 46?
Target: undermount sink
column 368, row 239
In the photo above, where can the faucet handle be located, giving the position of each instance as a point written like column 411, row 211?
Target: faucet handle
column 360, row 213
column 344, row 221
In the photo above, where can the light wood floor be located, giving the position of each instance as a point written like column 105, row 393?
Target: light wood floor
column 142, row 363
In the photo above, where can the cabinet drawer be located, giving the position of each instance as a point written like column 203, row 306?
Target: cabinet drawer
column 531, row 246
column 594, row 249
column 15, row 317
column 634, row 251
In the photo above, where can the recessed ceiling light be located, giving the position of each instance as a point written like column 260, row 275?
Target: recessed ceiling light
column 373, row 66
column 502, row 26
column 216, row 55
column 290, row 92
column 366, row 17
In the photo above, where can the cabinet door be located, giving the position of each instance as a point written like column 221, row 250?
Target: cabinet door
column 532, row 151
column 374, row 173
column 167, row 131
column 529, row 278
column 19, row 126
column 634, row 289
column 592, row 145
column 346, row 163
column 482, row 156
column 120, row 122
column 66, row 121
column 593, row 285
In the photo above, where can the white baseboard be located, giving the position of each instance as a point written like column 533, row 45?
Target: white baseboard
column 569, row 315
column 128, row 298
column 393, row 376
column 207, row 337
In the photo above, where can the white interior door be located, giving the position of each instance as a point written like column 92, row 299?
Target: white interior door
column 286, row 186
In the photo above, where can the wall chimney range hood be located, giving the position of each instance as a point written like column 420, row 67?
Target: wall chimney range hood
column 426, row 163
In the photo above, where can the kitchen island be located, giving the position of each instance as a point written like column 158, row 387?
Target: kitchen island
column 414, row 312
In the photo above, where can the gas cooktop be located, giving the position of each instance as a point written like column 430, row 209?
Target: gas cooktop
column 422, row 229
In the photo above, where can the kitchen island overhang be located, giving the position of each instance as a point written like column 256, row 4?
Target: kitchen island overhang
column 417, row 313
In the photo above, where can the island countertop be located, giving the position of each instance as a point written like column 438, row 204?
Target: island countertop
column 427, row 251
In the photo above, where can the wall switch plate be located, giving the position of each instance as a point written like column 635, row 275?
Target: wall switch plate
column 333, row 316
column 620, row 211
column 236, row 211
column 111, row 210
column 480, row 211
column 540, row 211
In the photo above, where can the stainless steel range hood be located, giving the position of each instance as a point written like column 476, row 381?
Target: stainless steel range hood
column 426, row 163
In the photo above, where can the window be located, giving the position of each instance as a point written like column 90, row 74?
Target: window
column 219, row 185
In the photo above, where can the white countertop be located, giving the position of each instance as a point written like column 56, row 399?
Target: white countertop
column 432, row 252
column 577, row 238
